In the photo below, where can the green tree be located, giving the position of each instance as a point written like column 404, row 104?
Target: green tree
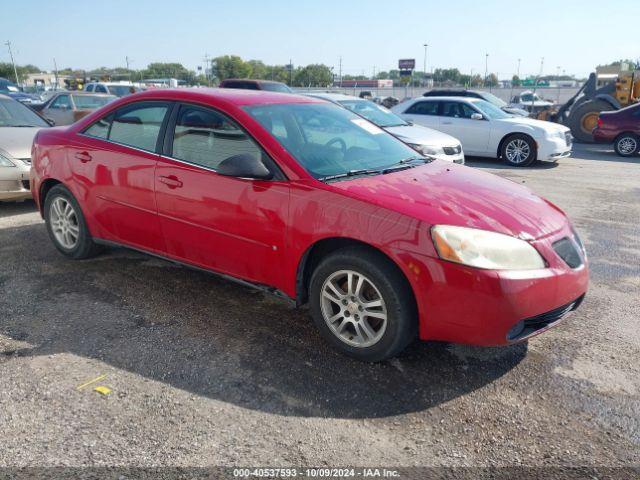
column 6, row 71
column 515, row 81
column 258, row 69
column 492, row 80
column 231, row 66
column 315, row 75
column 166, row 70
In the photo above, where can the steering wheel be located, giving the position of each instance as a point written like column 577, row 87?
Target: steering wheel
column 343, row 145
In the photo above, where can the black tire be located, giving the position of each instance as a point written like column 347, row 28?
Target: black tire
column 402, row 319
column 519, row 137
column 579, row 113
column 624, row 144
column 84, row 246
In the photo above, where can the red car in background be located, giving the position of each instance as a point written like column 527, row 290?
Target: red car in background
column 305, row 199
column 622, row 128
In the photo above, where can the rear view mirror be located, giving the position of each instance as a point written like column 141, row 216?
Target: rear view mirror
column 244, row 166
column 477, row 116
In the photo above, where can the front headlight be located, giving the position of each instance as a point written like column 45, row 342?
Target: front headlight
column 426, row 149
column 484, row 249
column 5, row 162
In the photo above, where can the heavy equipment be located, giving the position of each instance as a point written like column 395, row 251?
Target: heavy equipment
column 597, row 95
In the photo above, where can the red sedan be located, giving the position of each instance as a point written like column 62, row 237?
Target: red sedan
column 307, row 200
column 622, row 128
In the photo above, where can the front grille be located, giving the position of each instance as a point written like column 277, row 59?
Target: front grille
column 567, row 251
column 568, row 138
column 452, row 150
column 526, row 327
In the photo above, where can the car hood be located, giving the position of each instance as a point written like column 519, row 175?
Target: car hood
column 441, row 193
column 537, row 124
column 16, row 141
column 423, row 136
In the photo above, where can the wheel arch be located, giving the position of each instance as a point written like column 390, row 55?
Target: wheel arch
column 510, row 134
column 44, row 189
column 314, row 254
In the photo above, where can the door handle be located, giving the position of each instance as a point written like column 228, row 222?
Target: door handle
column 84, row 157
column 446, row 123
column 171, row 181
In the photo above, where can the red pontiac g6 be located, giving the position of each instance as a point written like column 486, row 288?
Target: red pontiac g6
column 308, row 200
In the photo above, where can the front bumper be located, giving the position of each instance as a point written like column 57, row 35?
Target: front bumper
column 462, row 304
column 553, row 149
column 14, row 183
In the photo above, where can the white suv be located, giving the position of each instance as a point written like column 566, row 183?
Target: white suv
column 112, row 88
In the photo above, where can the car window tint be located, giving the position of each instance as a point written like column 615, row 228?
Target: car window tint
column 138, row 126
column 89, row 88
column 61, row 102
column 423, row 108
column 205, row 137
column 101, row 89
column 466, row 110
column 91, row 102
column 451, row 109
column 100, row 129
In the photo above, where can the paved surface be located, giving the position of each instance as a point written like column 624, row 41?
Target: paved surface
column 205, row 372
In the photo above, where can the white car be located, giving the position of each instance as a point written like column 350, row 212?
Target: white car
column 119, row 89
column 425, row 140
column 486, row 131
column 18, row 126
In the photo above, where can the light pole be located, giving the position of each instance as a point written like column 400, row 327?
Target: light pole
column 424, row 78
column 486, row 69
column 518, row 76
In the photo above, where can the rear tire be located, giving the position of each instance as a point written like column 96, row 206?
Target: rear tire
column 362, row 304
column 66, row 225
column 627, row 144
column 583, row 119
column 518, row 150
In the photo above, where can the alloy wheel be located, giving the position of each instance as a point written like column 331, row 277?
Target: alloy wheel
column 518, row 151
column 353, row 308
column 64, row 223
column 627, row 145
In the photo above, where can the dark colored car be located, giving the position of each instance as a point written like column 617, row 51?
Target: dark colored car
column 248, row 84
column 489, row 97
column 622, row 128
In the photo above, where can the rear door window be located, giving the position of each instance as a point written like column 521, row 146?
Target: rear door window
column 138, row 125
column 423, row 108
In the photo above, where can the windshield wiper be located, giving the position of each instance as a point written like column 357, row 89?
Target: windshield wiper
column 402, row 164
column 350, row 173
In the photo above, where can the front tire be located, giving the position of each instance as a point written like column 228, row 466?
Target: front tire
column 518, row 150
column 362, row 304
column 627, row 145
column 66, row 225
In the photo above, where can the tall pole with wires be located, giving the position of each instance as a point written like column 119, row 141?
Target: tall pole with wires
column 486, row 69
column 15, row 70
column 424, row 66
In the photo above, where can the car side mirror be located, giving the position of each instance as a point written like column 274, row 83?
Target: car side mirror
column 244, row 166
column 477, row 116
column 50, row 121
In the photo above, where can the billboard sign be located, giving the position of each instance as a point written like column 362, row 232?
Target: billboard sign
column 407, row 63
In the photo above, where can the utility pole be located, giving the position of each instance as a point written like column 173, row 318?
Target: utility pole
column 15, row 70
column 207, row 66
column 290, row 72
column 55, row 72
column 424, row 66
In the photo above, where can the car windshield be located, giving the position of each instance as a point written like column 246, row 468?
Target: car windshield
column 6, row 86
column 14, row 114
column 328, row 140
column 92, row 102
column 491, row 111
column 374, row 113
column 276, row 87
column 491, row 98
column 529, row 97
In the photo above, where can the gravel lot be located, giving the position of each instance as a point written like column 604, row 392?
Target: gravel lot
column 204, row 372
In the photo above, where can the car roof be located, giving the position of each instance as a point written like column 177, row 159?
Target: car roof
column 250, row 80
column 230, row 95
column 444, row 97
column 82, row 93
